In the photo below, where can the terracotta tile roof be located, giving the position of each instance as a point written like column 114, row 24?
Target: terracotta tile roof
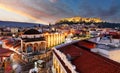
column 13, row 44
column 86, row 44
column 115, row 35
column 5, row 52
column 17, row 45
column 89, row 62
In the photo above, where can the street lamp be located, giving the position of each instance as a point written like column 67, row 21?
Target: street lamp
column 13, row 35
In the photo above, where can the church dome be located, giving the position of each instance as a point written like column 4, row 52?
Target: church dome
column 31, row 32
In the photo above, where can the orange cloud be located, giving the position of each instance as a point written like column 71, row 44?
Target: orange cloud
column 10, row 9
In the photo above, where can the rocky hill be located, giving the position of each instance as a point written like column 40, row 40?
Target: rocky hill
column 75, row 20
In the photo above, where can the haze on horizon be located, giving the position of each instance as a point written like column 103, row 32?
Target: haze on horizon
column 49, row 11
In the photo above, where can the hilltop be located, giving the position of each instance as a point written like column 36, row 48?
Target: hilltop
column 77, row 20
column 88, row 21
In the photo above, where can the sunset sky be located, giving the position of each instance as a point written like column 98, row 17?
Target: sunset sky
column 48, row 11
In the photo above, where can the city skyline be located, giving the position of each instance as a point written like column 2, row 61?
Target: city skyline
column 49, row 11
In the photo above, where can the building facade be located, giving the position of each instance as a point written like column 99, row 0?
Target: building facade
column 53, row 39
column 33, row 42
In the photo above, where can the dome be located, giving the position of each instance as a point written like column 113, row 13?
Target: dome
column 31, row 31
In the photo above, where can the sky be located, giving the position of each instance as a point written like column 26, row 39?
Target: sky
column 49, row 11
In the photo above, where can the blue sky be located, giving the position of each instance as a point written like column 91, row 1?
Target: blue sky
column 49, row 11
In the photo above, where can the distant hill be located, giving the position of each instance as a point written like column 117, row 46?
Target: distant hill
column 110, row 25
column 76, row 20
column 88, row 21
column 18, row 24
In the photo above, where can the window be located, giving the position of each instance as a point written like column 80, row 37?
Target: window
column 29, row 49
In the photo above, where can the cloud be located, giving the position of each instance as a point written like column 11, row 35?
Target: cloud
column 113, row 10
column 38, row 10
column 108, row 12
column 21, row 13
column 53, row 1
column 111, row 14
column 49, row 11
column 86, row 10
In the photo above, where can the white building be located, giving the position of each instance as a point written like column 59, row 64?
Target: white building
column 107, row 48
column 14, row 30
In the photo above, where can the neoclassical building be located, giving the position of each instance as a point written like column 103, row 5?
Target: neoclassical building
column 53, row 39
column 33, row 42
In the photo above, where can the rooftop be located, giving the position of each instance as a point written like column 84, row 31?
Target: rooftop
column 31, row 32
column 5, row 52
column 108, row 47
column 105, row 39
column 33, row 39
column 88, row 62
column 15, row 43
